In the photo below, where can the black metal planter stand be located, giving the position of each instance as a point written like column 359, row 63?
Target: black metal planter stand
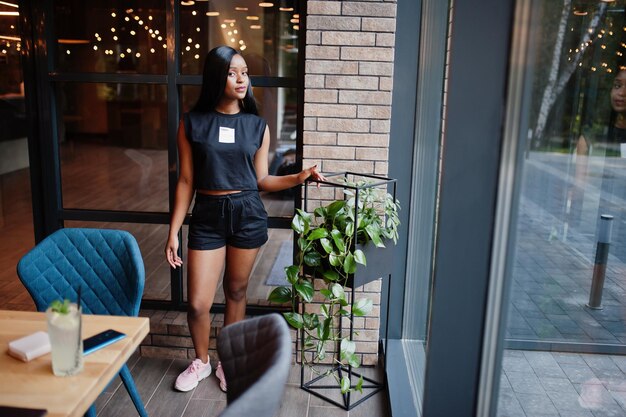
column 379, row 262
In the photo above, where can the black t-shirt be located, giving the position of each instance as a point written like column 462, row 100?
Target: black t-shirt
column 223, row 148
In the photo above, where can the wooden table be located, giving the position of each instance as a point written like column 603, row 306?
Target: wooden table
column 33, row 385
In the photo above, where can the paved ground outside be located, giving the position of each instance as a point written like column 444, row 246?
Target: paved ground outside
column 559, row 210
column 557, row 222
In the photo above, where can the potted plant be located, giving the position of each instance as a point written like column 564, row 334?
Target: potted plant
column 334, row 243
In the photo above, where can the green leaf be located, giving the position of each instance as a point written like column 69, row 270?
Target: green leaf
column 323, row 331
column 359, row 385
column 318, row 233
column 280, row 295
column 374, row 233
column 61, row 307
column 359, row 257
column 302, row 244
column 334, row 207
column 330, row 275
column 326, row 293
column 305, row 216
column 328, row 247
column 320, row 212
column 338, row 291
column 292, row 273
column 362, row 307
column 324, row 310
column 345, row 384
column 294, row 319
column 347, row 348
column 334, row 259
column 344, row 312
column 297, row 224
column 353, row 360
column 312, row 258
column 349, row 266
column 321, row 352
column 338, row 239
column 308, row 344
column 304, row 221
column 349, row 229
column 305, row 290
column 310, row 320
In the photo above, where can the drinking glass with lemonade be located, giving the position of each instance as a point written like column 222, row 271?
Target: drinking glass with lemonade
column 64, row 329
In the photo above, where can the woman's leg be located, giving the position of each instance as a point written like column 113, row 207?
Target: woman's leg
column 239, row 263
column 203, row 274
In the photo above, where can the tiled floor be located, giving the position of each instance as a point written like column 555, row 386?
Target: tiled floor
column 155, row 381
column 542, row 384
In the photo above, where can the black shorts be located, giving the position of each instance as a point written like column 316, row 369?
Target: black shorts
column 238, row 220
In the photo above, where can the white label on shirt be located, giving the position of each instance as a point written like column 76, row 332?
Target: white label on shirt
column 227, row 135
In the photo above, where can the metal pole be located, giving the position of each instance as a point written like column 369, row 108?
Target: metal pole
column 599, row 268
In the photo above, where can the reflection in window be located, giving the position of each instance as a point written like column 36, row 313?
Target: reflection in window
column 266, row 36
column 113, row 145
column 150, row 238
column 278, row 106
column 13, row 127
column 111, row 36
column 269, row 269
column 573, row 172
column 16, row 216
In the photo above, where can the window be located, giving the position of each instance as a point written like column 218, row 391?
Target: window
column 118, row 92
column 566, row 275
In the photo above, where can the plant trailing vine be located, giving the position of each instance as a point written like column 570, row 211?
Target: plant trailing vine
column 327, row 250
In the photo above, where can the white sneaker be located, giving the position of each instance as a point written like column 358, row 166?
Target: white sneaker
column 195, row 372
column 219, row 373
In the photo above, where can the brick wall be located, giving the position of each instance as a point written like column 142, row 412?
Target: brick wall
column 347, row 106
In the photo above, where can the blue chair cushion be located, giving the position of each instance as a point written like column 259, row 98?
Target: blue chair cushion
column 106, row 264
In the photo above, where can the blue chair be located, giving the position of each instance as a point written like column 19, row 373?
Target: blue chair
column 256, row 358
column 108, row 267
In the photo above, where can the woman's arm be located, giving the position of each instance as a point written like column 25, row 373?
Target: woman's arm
column 274, row 183
column 182, row 199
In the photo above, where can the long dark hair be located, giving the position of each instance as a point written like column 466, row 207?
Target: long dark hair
column 214, row 74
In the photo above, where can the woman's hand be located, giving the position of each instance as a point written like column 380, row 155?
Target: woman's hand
column 171, row 252
column 312, row 173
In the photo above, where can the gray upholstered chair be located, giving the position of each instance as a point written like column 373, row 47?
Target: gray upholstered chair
column 256, row 358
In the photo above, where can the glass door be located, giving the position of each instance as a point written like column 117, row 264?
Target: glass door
column 121, row 76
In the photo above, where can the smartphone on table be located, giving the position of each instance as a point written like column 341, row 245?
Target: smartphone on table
column 100, row 340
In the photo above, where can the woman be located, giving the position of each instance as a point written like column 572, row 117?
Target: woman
column 618, row 102
column 223, row 153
